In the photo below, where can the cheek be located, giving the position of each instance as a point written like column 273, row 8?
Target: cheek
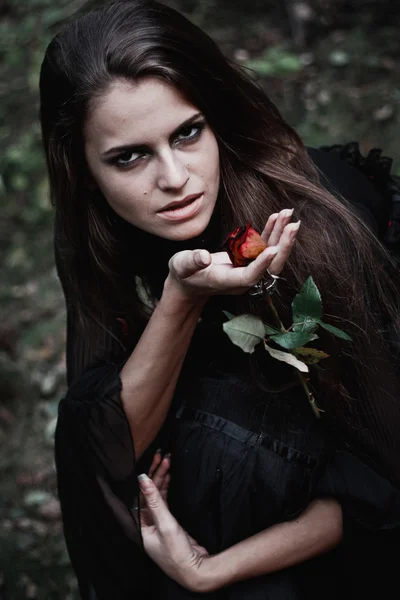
column 127, row 188
column 122, row 200
column 214, row 155
column 210, row 165
column 115, row 190
column 114, row 194
column 215, row 165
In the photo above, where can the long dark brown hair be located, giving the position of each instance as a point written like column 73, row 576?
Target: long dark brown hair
column 264, row 168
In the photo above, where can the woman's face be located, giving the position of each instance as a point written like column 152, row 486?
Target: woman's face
column 153, row 157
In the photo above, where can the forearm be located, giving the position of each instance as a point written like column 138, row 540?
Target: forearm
column 149, row 376
column 317, row 530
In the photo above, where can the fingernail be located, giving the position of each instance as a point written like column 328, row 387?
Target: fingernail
column 294, row 231
column 144, row 482
column 168, row 455
column 288, row 212
column 202, row 259
column 159, row 451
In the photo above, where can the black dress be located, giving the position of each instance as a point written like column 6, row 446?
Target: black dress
column 243, row 459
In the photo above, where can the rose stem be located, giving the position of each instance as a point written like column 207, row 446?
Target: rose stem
column 310, row 396
column 275, row 313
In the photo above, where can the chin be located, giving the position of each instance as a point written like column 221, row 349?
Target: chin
column 186, row 237
column 185, row 231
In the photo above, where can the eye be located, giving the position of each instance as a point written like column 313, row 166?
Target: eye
column 127, row 158
column 190, row 132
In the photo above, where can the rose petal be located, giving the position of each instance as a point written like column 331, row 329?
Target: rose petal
column 253, row 244
column 243, row 245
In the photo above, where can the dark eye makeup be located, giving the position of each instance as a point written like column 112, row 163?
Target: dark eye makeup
column 190, row 132
column 131, row 156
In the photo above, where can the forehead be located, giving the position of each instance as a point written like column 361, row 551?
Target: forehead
column 135, row 111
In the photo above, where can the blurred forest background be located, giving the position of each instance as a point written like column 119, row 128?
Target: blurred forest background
column 332, row 67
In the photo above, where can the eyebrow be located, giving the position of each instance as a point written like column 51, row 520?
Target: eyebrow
column 142, row 147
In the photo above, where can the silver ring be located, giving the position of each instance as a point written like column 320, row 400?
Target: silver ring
column 264, row 285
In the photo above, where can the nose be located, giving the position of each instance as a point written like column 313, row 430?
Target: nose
column 173, row 174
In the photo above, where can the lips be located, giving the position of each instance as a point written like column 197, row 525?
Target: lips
column 182, row 210
column 176, row 204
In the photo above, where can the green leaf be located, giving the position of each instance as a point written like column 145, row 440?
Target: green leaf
column 289, row 63
column 229, row 315
column 287, row 357
column 261, row 66
column 245, row 331
column 36, row 497
column 311, row 356
column 336, row 331
column 275, row 61
column 271, row 330
column 293, row 339
column 306, row 326
column 307, row 304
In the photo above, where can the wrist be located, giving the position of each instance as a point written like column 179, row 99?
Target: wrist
column 212, row 574
column 176, row 300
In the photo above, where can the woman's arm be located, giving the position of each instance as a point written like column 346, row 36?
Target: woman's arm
column 317, row 530
column 149, row 376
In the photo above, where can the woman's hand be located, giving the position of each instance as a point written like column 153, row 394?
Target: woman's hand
column 197, row 273
column 166, row 542
column 159, row 473
column 317, row 530
column 280, row 232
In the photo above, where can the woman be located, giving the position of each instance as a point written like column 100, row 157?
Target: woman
column 157, row 148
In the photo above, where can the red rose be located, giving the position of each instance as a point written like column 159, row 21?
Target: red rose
column 244, row 245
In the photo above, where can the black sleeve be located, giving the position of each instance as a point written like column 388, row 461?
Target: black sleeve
column 371, row 523
column 95, row 462
column 369, row 500
column 98, row 490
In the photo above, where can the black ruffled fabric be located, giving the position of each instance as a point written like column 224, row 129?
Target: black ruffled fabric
column 243, row 459
column 97, row 486
column 377, row 169
column 241, row 462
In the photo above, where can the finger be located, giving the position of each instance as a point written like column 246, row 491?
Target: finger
column 162, row 517
column 220, row 258
column 144, row 518
column 186, row 263
column 158, row 474
column 164, row 488
column 285, row 247
column 161, row 472
column 269, row 227
column 280, row 223
column 157, row 458
column 244, row 277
